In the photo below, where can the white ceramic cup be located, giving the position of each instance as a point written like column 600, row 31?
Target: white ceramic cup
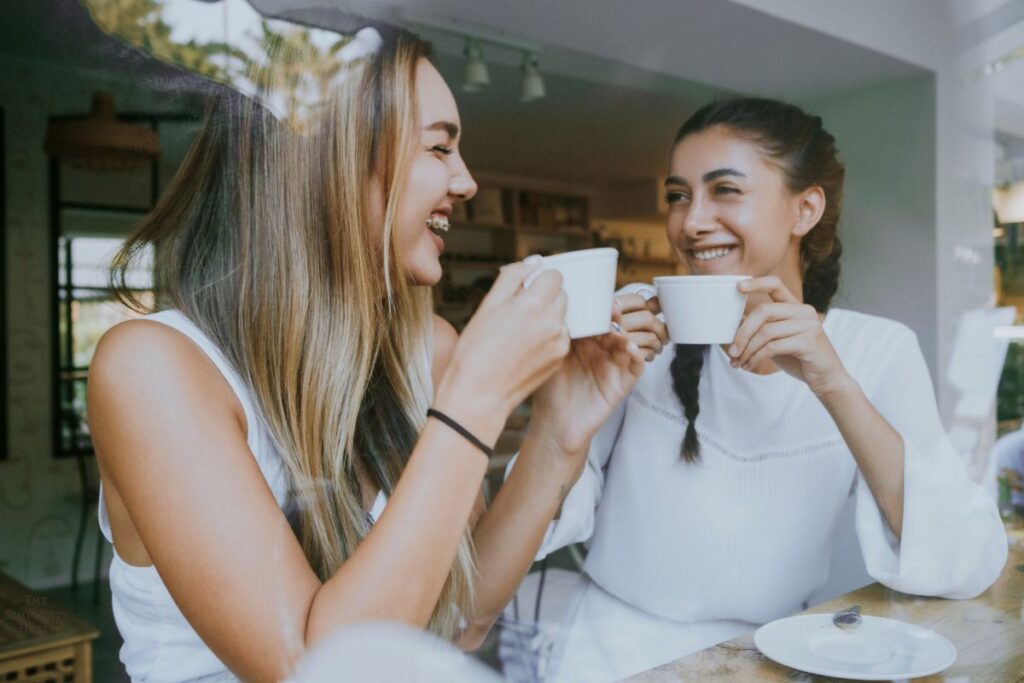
column 700, row 309
column 588, row 279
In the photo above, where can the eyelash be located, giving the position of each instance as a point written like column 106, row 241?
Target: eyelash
column 441, row 149
column 677, row 196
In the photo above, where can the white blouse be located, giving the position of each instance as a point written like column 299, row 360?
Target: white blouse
column 745, row 536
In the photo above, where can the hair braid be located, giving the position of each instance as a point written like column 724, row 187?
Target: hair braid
column 685, row 369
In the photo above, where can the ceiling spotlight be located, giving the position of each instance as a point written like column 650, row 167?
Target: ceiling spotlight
column 533, row 82
column 476, row 77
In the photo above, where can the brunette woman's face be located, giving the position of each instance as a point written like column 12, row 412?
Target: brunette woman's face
column 730, row 211
column 437, row 179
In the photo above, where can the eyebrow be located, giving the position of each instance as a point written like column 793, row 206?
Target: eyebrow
column 720, row 172
column 446, row 126
column 707, row 177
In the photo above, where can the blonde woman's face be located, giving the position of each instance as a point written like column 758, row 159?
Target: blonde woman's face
column 438, row 178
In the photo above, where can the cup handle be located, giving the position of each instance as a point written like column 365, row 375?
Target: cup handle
column 646, row 291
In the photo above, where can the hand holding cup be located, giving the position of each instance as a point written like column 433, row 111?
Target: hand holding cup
column 513, row 343
column 640, row 320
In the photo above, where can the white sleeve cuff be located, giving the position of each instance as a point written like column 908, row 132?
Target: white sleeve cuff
column 952, row 543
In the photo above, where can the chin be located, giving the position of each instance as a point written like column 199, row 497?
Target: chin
column 425, row 275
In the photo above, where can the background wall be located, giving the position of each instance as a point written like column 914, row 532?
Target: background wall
column 39, row 495
column 952, row 40
column 886, row 137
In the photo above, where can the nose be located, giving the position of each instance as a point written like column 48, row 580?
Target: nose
column 700, row 218
column 462, row 185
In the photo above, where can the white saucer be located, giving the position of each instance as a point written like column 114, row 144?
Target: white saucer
column 879, row 650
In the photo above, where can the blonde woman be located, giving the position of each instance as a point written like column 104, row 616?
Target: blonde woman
column 250, row 434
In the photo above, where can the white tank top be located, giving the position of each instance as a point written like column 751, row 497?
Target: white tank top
column 160, row 646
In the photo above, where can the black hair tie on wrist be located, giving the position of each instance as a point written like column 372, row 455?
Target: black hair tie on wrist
column 463, row 432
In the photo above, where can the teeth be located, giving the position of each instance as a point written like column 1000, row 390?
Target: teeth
column 710, row 254
column 438, row 223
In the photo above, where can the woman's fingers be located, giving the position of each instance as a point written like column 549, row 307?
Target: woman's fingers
column 631, row 302
column 766, row 334
column 642, row 321
column 544, row 300
column 510, row 281
column 786, row 346
column 517, row 337
column 770, row 285
column 544, row 285
column 616, row 317
column 758, row 317
column 649, row 343
column 637, row 317
column 642, row 324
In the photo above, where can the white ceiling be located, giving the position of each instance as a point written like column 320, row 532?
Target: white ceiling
column 706, row 41
column 621, row 77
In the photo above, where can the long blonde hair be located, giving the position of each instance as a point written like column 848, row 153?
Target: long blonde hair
column 265, row 241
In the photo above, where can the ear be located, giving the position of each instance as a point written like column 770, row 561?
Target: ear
column 810, row 204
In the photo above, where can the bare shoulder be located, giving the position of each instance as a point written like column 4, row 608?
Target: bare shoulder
column 137, row 341
column 141, row 367
column 445, row 339
column 146, row 353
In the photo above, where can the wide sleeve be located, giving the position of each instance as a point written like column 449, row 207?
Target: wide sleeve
column 575, row 524
column 953, row 543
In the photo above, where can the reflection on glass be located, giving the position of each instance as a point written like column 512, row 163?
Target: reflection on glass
column 287, row 67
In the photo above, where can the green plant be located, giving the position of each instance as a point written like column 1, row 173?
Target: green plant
column 1010, row 394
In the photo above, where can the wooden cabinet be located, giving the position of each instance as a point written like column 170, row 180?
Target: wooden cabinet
column 40, row 641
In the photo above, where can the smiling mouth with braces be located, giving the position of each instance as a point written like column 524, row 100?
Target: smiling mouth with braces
column 438, row 223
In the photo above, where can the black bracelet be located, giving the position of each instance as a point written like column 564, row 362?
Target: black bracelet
column 463, row 432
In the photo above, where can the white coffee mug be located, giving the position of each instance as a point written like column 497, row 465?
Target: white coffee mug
column 700, row 309
column 588, row 279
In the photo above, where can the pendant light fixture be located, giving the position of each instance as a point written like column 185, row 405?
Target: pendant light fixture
column 477, row 76
column 533, row 83
column 101, row 141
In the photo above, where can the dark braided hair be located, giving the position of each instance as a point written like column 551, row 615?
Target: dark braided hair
column 806, row 153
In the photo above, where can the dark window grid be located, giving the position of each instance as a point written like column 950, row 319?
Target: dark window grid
column 69, row 434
